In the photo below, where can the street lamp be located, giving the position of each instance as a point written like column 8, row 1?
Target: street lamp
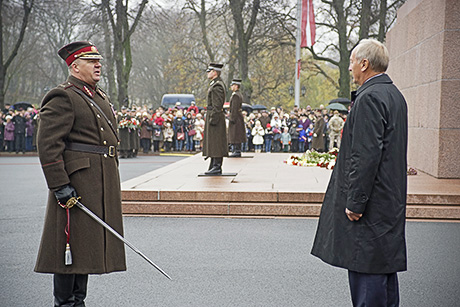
column 303, row 90
column 291, row 90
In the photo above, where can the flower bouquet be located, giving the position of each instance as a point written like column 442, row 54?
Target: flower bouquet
column 314, row 158
column 123, row 123
column 134, row 123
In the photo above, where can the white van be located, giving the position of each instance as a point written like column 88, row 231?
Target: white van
column 170, row 100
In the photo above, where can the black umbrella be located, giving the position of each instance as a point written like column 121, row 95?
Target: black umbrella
column 259, row 107
column 340, row 100
column 337, row 106
column 22, row 105
column 246, row 107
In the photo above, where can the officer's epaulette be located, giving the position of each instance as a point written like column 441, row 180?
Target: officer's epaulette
column 101, row 92
column 65, row 85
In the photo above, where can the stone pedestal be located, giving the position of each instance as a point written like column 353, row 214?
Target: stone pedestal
column 424, row 48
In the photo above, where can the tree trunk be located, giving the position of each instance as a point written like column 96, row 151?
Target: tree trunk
column 344, row 78
column 365, row 20
column 109, row 66
column 27, row 7
column 244, row 38
column 382, row 20
column 121, row 44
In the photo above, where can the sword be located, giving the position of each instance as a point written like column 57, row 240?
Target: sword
column 114, row 232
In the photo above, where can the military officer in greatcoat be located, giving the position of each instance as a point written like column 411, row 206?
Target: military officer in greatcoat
column 236, row 129
column 215, row 144
column 77, row 140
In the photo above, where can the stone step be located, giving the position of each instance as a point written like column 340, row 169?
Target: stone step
column 259, row 209
column 268, row 197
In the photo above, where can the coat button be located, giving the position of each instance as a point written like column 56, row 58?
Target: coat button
column 98, row 116
column 105, row 142
column 105, row 155
column 102, row 128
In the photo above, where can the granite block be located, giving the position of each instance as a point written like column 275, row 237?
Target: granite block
column 452, row 20
column 424, row 212
column 276, row 209
column 449, row 149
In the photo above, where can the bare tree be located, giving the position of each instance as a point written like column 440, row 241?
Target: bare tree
column 350, row 21
column 244, row 37
column 5, row 64
column 122, row 30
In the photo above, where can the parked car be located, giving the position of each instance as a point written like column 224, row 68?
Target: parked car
column 170, row 100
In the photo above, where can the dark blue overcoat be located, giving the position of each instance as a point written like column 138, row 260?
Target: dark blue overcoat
column 370, row 177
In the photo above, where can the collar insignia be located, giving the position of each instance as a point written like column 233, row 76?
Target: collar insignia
column 88, row 91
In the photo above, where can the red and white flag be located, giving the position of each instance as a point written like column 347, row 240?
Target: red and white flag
column 307, row 26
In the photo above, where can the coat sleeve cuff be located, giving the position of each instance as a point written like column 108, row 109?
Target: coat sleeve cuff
column 55, row 174
column 357, row 201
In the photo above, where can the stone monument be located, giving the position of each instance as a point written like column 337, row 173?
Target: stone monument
column 424, row 48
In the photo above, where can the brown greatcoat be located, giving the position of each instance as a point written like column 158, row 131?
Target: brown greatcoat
column 236, row 130
column 215, row 132
column 318, row 140
column 66, row 116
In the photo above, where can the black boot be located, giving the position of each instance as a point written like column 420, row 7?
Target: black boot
column 70, row 290
column 236, row 151
column 211, row 164
column 217, row 167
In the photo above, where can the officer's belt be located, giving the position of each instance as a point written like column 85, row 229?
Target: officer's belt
column 97, row 149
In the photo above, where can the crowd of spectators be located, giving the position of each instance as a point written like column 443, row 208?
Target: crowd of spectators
column 18, row 129
column 181, row 129
column 275, row 130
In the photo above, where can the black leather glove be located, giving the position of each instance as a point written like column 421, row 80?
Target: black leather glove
column 64, row 194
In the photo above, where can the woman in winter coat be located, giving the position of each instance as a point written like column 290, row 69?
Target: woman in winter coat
column 9, row 133
column 199, row 130
column 146, row 133
column 258, row 136
column 179, row 130
column 189, row 124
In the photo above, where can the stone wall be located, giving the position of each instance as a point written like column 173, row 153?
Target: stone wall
column 424, row 48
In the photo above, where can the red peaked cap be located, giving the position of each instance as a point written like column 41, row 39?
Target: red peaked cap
column 81, row 49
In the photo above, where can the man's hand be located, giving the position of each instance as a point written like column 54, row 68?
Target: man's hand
column 353, row 216
column 64, row 194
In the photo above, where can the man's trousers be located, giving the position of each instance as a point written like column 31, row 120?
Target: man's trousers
column 374, row 290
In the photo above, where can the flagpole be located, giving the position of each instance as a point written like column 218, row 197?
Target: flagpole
column 297, row 55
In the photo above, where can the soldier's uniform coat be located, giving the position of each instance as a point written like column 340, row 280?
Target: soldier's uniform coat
column 66, row 116
column 236, row 130
column 215, row 132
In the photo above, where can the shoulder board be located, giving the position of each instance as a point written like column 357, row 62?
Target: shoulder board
column 101, row 92
column 65, row 85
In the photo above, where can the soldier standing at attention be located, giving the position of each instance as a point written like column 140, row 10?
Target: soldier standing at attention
column 236, row 129
column 215, row 144
column 77, row 141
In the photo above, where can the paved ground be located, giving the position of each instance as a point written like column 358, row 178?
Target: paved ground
column 214, row 262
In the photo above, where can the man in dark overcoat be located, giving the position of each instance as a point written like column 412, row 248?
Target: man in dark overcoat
column 215, row 144
column 19, row 121
column 236, row 128
column 77, row 141
column 362, row 222
column 124, row 147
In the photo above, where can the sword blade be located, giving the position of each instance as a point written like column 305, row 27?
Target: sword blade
column 120, row 237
